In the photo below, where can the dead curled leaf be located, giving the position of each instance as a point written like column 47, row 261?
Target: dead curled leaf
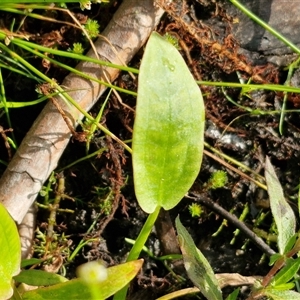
column 224, row 279
column 235, row 279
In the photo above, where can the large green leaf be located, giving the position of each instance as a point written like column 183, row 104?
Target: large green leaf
column 10, row 253
column 283, row 214
column 197, row 266
column 39, row 278
column 169, row 127
column 77, row 289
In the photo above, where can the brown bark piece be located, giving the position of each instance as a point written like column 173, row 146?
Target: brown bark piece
column 48, row 137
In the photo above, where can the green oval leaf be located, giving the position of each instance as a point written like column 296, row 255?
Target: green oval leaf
column 283, row 214
column 117, row 278
column 168, row 131
column 10, row 253
column 39, row 278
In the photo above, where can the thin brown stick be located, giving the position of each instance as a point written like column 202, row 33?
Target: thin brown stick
column 6, row 143
column 45, row 142
column 232, row 168
column 235, row 221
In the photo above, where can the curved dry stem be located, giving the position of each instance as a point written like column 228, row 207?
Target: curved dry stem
column 45, row 142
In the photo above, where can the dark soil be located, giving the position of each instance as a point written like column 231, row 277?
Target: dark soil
column 101, row 188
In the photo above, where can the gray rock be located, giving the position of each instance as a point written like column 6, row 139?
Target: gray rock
column 280, row 14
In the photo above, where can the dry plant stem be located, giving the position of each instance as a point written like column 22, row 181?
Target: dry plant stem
column 54, row 207
column 44, row 144
column 224, row 279
column 235, row 221
column 6, row 143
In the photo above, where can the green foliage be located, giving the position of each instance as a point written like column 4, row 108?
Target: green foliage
column 276, row 294
column 77, row 48
column 92, row 28
column 105, row 198
column 283, row 214
column 167, row 153
column 197, row 266
column 195, row 210
column 218, row 180
column 287, row 272
column 10, row 253
column 168, row 130
column 42, row 1
column 233, row 295
column 168, row 133
column 58, row 287
column 39, row 278
column 172, row 39
column 277, row 284
column 79, row 289
column 86, row 4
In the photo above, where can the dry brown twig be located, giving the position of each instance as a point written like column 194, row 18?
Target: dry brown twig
column 45, row 142
column 6, row 143
column 224, row 279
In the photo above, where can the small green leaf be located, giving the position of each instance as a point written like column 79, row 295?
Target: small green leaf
column 233, row 295
column 287, row 272
column 10, row 253
column 117, row 277
column 168, row 131
column 274, row 258
column 291, row 243
column 197, row 266
column 282, row 212
column 281, row 295
column 39, row 278
column 30, row 262
column 284, row 286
